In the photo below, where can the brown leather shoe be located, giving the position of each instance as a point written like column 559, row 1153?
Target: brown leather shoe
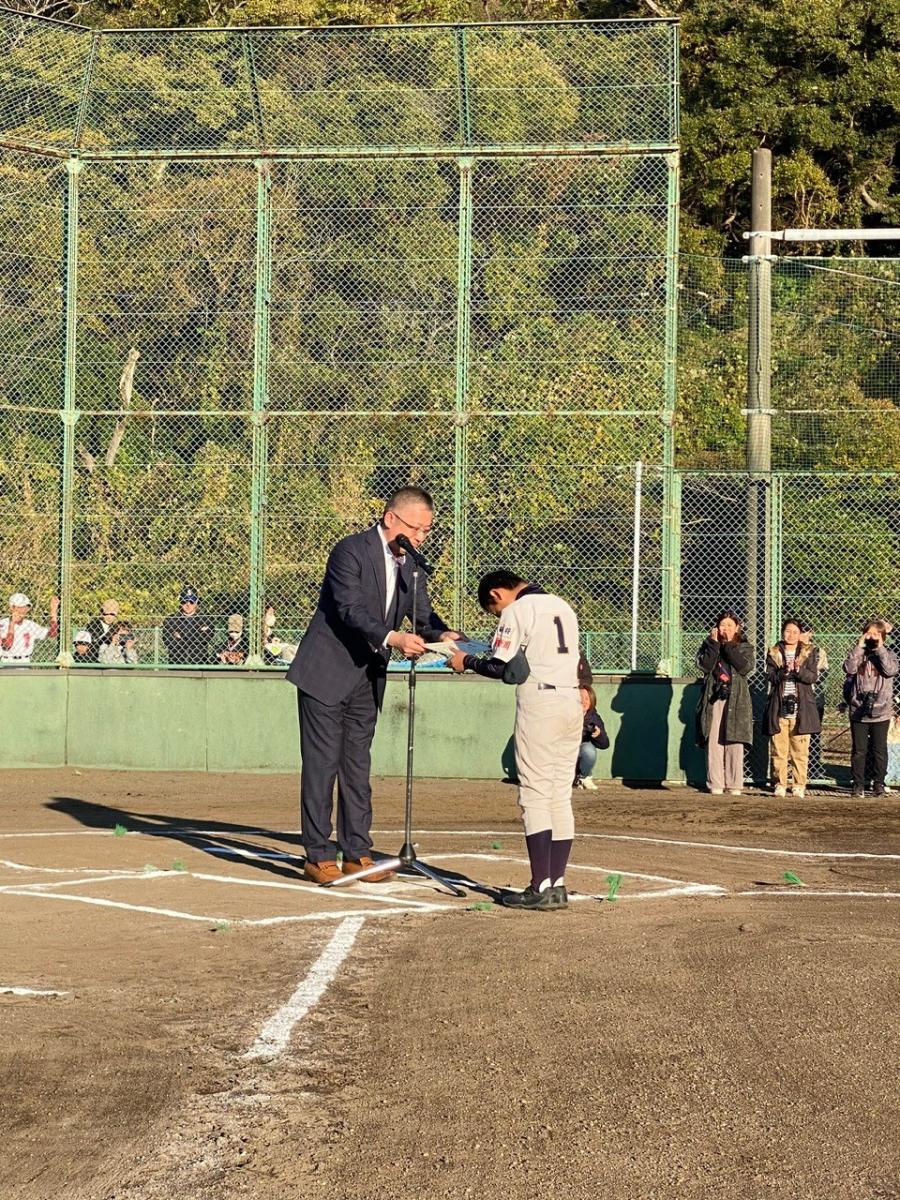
column 322, row 872
column 352, row 868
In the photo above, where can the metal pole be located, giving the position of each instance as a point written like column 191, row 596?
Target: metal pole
column 461, row 414
column 260, row 416
column 759, row 371
column 636, row 563
column 69, row 414
column 670, row 612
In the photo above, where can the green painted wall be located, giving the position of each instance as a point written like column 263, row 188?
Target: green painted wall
column 189, row 721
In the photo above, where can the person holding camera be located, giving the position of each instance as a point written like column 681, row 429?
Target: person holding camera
column 725, row 712
column 869, row 694
column 120, row 649
column 793, row 667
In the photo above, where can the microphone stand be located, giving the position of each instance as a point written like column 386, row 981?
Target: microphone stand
column 406, row 858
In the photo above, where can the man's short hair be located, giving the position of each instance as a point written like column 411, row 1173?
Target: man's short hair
column 501, row 578
column 409, row 495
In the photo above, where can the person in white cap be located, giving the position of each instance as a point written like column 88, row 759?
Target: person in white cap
column 82, row 642
column 19, row 634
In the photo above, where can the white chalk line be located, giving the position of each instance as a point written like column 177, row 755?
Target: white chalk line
column 24, row 991
column 114, row 877
column 806, row 891
column 276, row 1032
column 622, row 837
column 383, row 896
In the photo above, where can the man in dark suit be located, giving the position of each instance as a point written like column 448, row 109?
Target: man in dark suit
column 340, row 670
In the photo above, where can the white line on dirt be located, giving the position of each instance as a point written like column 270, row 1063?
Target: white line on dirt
column 113, row 877
column 805, row 891
column 622, row 837
column 144, row 908
column 574, row 867
column 23, row 991
column 275, row 1033
column 311, row 889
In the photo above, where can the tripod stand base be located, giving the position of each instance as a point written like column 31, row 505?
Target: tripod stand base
column 405, row 861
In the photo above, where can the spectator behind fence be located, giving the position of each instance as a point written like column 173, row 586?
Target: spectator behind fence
column 276, row 652
column 121, row 649
column 593, row 738
column 235, row 650
column 82, row 642
column 725, row 712
column 187, row 634
column 100, row 628
column 19, row 634
column 793, row 667
column 869, row 669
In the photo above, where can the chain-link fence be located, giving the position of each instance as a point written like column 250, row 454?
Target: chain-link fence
column 254, row 280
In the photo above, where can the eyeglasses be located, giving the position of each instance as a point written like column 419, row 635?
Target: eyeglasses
column 108, row 614
column 415, row 528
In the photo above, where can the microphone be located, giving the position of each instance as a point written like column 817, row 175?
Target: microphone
column 405, row 544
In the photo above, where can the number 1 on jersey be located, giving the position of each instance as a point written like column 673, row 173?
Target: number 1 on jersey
column 562, row 648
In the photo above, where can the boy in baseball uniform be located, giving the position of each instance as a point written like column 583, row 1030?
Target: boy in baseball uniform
column 536, row 647
column 19, row 634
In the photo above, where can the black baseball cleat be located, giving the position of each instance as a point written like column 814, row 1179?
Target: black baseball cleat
column 559, row 897
column 530, row 899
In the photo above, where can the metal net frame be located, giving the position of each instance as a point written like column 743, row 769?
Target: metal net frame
column 253, row 280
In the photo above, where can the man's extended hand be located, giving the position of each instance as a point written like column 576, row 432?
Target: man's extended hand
column 457, row 662
column 450, row 635
column 54, row 605
column 409, row 644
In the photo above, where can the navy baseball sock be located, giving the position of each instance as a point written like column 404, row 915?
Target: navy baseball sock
column 539, row 856
column 559, row 856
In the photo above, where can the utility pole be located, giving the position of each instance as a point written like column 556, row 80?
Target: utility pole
column 759, row 397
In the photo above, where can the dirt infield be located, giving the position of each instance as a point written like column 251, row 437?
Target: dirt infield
column 186, row 1018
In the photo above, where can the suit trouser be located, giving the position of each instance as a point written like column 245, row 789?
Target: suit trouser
column 789, row 745
column 548, row 736
column 866, row 734
column 336, row 743
column 724, row 760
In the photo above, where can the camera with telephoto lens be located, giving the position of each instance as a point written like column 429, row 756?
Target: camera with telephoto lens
column 866, row 704
column 789, row 706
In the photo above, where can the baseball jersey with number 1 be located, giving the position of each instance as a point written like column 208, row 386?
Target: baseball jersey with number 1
column 546, row 628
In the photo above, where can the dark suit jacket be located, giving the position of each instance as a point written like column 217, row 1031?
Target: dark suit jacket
column 344, row 639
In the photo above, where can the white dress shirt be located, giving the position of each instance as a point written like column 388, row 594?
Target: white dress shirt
column 391, row 571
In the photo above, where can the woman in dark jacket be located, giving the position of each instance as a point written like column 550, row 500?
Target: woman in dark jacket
column 793, row 667
column 869, row 691
column 725, row 713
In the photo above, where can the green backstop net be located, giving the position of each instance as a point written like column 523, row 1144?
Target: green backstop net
column 253, row 280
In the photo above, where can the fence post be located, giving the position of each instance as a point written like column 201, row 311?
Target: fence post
column 774, row 558
column 636, row 563
column 671, row 641
column 69, row 414
column 260, row 416
column 461, row 415
column 759, row 372
column 670, row 611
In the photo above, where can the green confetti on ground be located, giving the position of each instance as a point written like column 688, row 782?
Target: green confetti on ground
column 221, row 927
column 496, row 846
column 794, row 880
column 614, row 881
column 119, row 831
column 178, row 865
column 148, row 867
column 481, row 906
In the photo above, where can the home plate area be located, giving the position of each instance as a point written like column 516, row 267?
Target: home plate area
column 257, row 880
